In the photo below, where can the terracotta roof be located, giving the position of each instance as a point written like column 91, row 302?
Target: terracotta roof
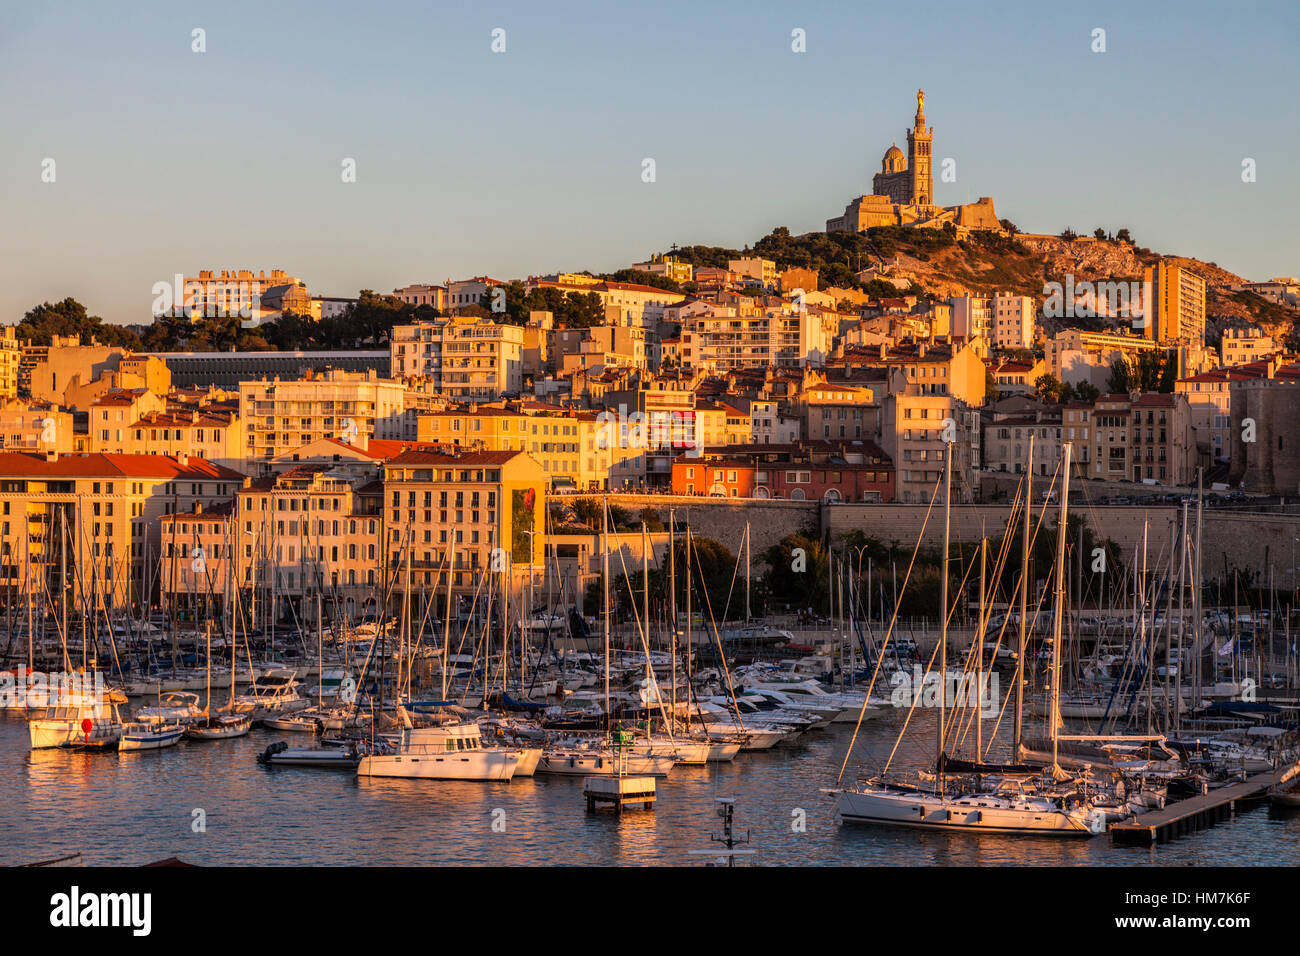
column 421, row 457
column 23, row 465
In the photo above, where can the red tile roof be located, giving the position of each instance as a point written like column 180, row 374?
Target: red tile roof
column 23, row 465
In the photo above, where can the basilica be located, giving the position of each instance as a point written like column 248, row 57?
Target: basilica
column 902, row 193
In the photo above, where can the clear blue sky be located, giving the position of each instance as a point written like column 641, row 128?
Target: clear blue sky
column 470, row 162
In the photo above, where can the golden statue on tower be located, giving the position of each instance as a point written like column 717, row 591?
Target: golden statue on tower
column 920, row 101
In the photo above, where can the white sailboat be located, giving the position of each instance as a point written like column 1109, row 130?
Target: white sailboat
column 1009, row 807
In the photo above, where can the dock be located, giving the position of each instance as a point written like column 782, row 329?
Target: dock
column 1193, row 814
column 621, row 793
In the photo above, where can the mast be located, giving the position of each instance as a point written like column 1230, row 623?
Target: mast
column 979, row 661
column 1055, row 709
column 672, row 610
column 1024, row 605
column 1182, row 610
column 943, row 611
column 747, row 571
column 446, row 622
column 1196, row 599
column 604, row 581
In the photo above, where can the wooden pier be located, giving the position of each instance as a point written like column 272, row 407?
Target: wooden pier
column 1195, row 813
column 619, row 792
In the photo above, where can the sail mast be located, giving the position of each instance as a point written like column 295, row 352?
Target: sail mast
column 943, row 611
column 604, row 580
column 1055, row 710
column 1024, row 605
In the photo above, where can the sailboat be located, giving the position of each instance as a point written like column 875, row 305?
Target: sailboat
column 221, row 726
column 1012, row 804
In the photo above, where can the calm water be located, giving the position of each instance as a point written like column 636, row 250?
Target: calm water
column 135, row 808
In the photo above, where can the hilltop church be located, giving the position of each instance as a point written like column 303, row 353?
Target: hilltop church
column 902, row 193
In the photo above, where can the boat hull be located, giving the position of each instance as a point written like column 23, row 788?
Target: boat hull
column 930, row 812
column 487, row 765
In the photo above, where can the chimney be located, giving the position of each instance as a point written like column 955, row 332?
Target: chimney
column 51, row 456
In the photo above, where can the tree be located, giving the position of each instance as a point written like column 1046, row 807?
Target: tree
column 69, row 317
column 1123, row 236
column 1099, row 233
column 1087, row 392
column 799, row 572
column 1049, row 387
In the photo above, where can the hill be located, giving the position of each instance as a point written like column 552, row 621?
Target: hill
column 935, row 262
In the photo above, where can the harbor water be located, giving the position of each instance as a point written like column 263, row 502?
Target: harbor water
column 213, row 804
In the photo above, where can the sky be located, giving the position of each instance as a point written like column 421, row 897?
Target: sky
column 530, row 161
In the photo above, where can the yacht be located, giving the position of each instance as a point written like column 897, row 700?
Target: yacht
column 86, row 724
column 452, row 750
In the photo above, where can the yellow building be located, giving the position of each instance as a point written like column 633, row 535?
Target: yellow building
column 471, row 513
column 566, row 443
column 36, row 427
column 10, row 358
column 94, row 518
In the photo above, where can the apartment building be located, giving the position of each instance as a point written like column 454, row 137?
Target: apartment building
column 917, row 431
column 304, row 540
column 972, row 317
column 38, row 427
column 213, row 435
column 750, row 333
column 1006, row 441
column 278, row 416
column 1177, row 308
column 668, row 266
column 1239, row 346
column 114, row 412
column 1074, row 356
column 760, row 270
column 805, row 471
column 466, row 359
column 1209, row 396
column 434, row 296
column 576, row 449
column 1145, row 437
column 769, row 426
column 1012, row 320
column 11, row 356
column 88, row 523
column 473, row 513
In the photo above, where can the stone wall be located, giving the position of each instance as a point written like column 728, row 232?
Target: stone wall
column 1248, row 540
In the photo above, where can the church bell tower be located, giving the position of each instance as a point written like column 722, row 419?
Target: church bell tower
column 919, row 140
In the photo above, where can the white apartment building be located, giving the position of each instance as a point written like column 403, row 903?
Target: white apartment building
column 972, row 317
column 466, row 359
column 353, row 407
column 728, row 337
column 1013, row 321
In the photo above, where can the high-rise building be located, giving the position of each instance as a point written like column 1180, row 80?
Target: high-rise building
column 1176, row 310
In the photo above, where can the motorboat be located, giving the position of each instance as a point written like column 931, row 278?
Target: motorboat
column 149, row 735
column 450, row 750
